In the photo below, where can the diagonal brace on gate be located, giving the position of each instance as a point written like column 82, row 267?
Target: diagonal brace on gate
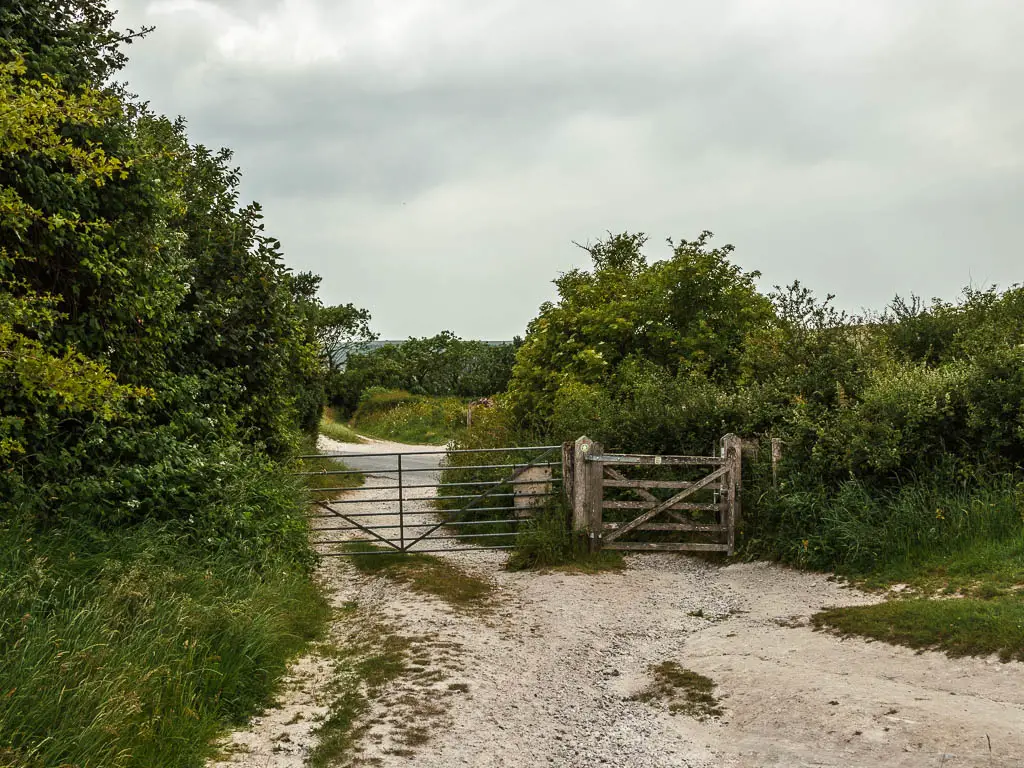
column 496, row 485
column 703, row 483
column 360, row 526
column 614, row 474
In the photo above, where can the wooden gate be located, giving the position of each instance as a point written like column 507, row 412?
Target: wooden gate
column 698, row 513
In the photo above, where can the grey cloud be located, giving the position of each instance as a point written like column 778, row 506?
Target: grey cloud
column 866, row 151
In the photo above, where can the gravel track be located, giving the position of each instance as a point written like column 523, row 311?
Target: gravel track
column 550, row 670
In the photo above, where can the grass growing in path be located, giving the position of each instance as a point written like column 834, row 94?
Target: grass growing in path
column 337, row 430
column 683, row 691
column 425, row 574
column 960, row 627
column 367, row 660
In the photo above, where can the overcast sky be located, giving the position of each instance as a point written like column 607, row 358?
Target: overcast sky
column 435, row 159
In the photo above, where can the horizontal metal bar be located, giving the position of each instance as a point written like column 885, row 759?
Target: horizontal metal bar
column 331, row 472
column 441, row 451
column 468, row 536
column 417, row 551
column 467, row 482
column 639, row 458
column 436, row 512
column 478, row 495
column 460, row 509
column 476, row 466
column 425, row 538
column 425, row 498
column 452, row 524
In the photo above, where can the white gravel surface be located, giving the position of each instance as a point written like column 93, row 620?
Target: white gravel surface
column 551, row 668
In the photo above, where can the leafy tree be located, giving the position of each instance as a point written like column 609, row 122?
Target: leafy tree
column 690, row 312
column 342, row 330
column 147, row 322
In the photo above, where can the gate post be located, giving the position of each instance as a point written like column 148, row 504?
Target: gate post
column 568, row 475
column 732, row 452
column 587, row 490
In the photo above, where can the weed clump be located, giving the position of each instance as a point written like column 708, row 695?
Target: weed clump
column 425, row 574
column 545, row 541
column 682, row 690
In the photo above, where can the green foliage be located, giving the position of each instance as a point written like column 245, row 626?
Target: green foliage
column 688, row 313
column 135, row 649
column 858, row 529
column 342, row 330
column 149, row 332
column 397, row 415
column 441, row 365
column 337, row 430
column 157, row 363
column 545, row 541
column 884, row 419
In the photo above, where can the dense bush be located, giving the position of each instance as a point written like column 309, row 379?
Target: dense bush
column 157, row 363
column 885, row 419
column 149, row 331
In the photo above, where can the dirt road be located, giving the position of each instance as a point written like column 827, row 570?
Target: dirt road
column 547, row 677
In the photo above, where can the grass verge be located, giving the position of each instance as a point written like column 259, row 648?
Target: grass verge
column 324, row 486
column 682, row 690
column 425, row 574
column 136, row 648
column 959, row 626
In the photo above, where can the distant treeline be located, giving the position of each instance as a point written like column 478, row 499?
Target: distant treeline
column 437, row 365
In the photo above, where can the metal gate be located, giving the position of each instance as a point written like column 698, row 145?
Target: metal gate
column 431, row 501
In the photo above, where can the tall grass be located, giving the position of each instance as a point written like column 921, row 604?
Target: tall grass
column 337, row 430
column 397, row 415
column 546, row 541
column 135, row 648
column 859, row 530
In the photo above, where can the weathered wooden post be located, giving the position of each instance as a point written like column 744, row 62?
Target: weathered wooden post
column 568, row 473
column 586, row 490
column 732, row 452
column 776, row 458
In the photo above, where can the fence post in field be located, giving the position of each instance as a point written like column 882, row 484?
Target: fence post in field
column 732, row 452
